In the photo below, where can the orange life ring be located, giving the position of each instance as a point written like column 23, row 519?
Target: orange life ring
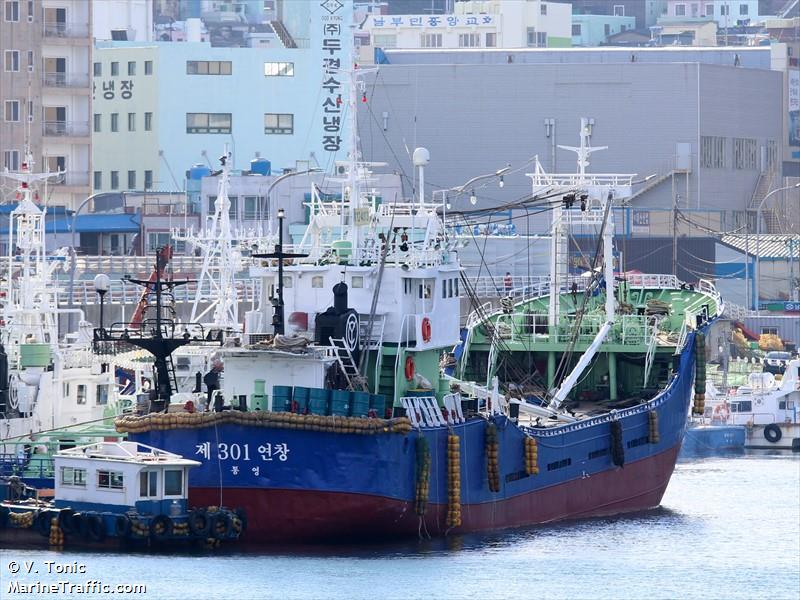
column 426, row 329
column 409, row 368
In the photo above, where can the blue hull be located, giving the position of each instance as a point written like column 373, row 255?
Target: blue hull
column 242, row 463
column 709, row 440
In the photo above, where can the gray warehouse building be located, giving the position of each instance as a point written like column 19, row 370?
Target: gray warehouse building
column 706, row 122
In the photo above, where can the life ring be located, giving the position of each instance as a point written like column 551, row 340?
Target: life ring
column 161, row 527
column 773, row 433
column 426, row 329
column 409, row 370
column 199, row 523
column 95, row 528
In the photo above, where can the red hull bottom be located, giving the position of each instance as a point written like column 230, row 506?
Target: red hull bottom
column 275, row 515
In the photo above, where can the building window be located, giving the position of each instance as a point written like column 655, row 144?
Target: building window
column 250, row 208
column 712, row 152
column 131, row 121
column 81, row 397
column 543, row 8
column 745, row 153
column 98, row 69
column 680, row 10
column 576, row 29
column 131, row 67
column 114, row 180
column 279, row 69
column 131, row 180
column 73, row 476
column 114, row 121
column 318, row 282
column 619, row 10
column 148, row 121
column 536, row 39
column 208, row 67
column 109, row 480
column 97, row 119
column 12, row 110
column 208, row 122
column 384, row 41
column 12, row 60
column 430, row 40
column 148, row 180
column 357, row 281
column 709, row 10
column 724, row 10
column 607, row 29
column 148, row 67
column 491, row 40
column 743, row 9
column 173, row 482
column 12, row 11
column 11, row 160
column 469, row 40
column 278, row 123
column 769, row 331
column 98, row 180
column 114, row 69
column 30, row 61
column 148, row 484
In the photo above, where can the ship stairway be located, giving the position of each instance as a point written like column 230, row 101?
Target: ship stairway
column 371, row 333
column 651, row 352
column 355, row 380
column 386, row 372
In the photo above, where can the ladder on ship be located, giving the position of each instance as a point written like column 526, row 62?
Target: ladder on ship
column 651, row 352
column 355, row 380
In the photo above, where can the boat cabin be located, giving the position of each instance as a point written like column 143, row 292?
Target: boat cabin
column 766, row 399
column 121, row 476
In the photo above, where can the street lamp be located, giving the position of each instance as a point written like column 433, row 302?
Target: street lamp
column 473, row 199
column 287, row 176
column 101, row 285
column 758, row 240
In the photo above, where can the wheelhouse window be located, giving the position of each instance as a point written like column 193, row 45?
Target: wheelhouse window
column 73, row 476
column 109, row 480
column 173, row 482
column 81, row 393
column 148, row 484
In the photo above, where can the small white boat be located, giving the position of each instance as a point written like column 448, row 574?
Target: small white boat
column 768, row 407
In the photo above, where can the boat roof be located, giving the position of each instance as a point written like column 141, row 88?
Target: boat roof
column 128, row 452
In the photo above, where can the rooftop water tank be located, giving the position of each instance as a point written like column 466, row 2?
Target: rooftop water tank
column 198, row 171
column 260, row 166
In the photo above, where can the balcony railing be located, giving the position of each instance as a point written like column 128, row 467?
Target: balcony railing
column 65, row 128
column 73, row 178
column 66, row 30
column 65, row 80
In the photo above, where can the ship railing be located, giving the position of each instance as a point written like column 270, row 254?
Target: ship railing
column 42, row 467
column 574, row 180
column 78, row 357
column 684, row 332
column 532, row 328
column 652, row 281
column 122, row 292
column 409, row 209
column 709, row 289
column 423, row 411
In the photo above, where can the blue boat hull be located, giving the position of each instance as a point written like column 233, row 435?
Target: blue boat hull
column 709, row 440
column 301, row 484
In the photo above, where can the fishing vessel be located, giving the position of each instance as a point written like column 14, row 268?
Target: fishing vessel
column 54, row 390
column 766, row 407
column 113, row 493
column 570, row 401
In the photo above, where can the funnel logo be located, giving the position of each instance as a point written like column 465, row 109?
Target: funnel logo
column 332, row 6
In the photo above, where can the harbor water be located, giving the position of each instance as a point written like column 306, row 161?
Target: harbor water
column 727, row 528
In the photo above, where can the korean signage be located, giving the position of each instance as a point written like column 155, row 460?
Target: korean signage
column 427, row 21
column 334, row 31
column 794, row 107
column 110, row 88
column 242, row 458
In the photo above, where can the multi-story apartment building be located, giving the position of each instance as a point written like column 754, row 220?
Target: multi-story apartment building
column 45, row 93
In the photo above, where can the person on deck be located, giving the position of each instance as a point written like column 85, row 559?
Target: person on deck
column 211, row 380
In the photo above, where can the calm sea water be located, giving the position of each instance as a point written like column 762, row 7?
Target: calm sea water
column 728, row 528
